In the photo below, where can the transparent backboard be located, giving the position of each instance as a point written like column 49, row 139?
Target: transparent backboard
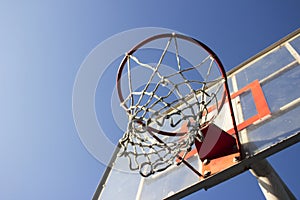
column 265, row 92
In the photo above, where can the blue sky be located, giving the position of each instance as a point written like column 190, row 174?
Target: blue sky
column 43, row 44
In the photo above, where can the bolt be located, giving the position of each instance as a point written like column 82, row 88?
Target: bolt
column 206, row 162
column 236, row 159
column 206, row 174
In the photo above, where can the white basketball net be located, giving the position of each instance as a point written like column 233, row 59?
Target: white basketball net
column 155, row 138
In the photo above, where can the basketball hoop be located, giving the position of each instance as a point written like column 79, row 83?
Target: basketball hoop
column 191, row 94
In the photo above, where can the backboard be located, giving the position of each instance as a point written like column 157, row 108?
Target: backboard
column 266, row 101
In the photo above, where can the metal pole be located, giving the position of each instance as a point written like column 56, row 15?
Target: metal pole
column 270, row 182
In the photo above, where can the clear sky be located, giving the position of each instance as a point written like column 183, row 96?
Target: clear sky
column 43, row 44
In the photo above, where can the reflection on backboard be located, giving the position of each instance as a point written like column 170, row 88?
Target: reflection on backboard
column 266, row 103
